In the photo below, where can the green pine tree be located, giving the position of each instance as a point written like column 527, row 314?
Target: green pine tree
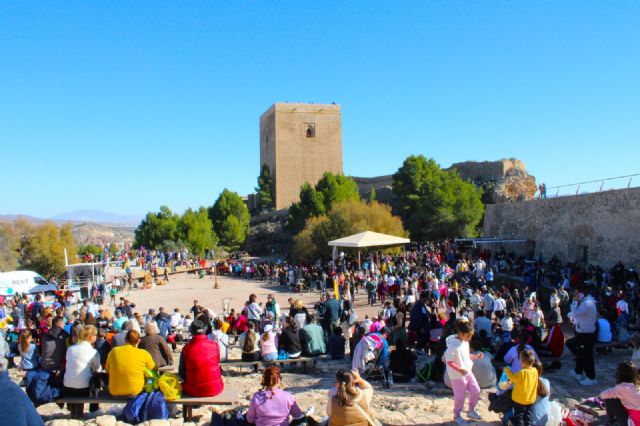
column 265, row 188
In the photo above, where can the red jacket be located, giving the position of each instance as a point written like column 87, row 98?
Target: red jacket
column 200, row 367
column 554, row 342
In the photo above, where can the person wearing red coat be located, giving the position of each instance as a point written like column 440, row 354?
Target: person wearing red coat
column 200, row 364
column 553, row 344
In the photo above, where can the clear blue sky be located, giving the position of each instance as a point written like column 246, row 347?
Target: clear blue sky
column 124, row 106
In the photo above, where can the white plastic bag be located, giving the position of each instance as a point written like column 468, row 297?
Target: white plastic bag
column 554, row 415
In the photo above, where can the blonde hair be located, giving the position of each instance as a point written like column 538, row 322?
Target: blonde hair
column 151, row 329
column 86, row 333
column 25, row 340
column 298, row 304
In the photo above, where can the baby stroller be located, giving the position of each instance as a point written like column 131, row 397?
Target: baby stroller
column 367, row 358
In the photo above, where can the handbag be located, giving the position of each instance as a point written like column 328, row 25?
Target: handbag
column 282, row 354
column 370, row 421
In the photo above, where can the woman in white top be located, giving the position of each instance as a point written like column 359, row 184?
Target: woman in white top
column 82, row 361
column 221, row 338
column 512, row 356
column 254, row 311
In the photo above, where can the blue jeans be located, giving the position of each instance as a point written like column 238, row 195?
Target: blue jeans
column 371, row 298
column 270, row 357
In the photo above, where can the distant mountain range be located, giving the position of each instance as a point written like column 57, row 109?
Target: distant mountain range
column 98, row 216
column 83, row 216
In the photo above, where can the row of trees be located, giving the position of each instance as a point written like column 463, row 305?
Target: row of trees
column 225, row 223
column 431, row 203
column 38, row 248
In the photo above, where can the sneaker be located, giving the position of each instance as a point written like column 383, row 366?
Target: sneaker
column 579, row 377
column 588, row 382
column 460, row 421
column 474, row 415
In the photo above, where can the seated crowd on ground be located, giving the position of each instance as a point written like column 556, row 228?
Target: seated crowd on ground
column 436, row 300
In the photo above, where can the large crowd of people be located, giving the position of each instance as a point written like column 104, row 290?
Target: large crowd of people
column 437, row 303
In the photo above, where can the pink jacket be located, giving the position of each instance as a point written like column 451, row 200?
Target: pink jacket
column 629, row 396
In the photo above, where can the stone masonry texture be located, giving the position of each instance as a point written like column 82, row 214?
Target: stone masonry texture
column 604, row 225
column 299, row 142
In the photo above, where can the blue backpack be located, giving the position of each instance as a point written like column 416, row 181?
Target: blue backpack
column 134, row 411
column 156, row 407
column 146, row 406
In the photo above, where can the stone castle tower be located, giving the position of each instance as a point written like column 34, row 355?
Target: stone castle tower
column 299, row 142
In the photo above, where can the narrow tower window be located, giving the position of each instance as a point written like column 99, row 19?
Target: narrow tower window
column 311, row 130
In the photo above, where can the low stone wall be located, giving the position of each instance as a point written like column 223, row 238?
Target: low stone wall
column 601, row 228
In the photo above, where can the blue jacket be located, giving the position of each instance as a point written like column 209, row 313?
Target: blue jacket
column 14, row 401
column 38, row 388
column 332, row 310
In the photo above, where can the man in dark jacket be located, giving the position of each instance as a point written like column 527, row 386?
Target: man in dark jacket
column 37, row 309
column 331, row 316
column 163, row 320
column 54, row 346
column 419, row 321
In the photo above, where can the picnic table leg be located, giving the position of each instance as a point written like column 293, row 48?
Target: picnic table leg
column 187, row 413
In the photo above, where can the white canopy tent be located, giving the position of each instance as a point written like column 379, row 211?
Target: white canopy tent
column 368, row 239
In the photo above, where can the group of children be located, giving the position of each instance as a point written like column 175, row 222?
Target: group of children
column 526, row 385
column 459, row 364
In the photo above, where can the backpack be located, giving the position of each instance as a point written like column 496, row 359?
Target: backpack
column 39, row 388
column 231, row 417
column 134, row 411
column 156, row 407
column 146, row 406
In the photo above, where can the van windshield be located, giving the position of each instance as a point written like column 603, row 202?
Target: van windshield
column 40, row 281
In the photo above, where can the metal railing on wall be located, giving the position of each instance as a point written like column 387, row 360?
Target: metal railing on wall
column 587, row 187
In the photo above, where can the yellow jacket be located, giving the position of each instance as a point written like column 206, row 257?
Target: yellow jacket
column 525, row 385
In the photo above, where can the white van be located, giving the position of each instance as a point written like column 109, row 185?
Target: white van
column 24, row 282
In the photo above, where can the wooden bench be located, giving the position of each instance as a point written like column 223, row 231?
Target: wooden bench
column 227, row 397
column 255, row 364
column 168, row 368
column 607, row 347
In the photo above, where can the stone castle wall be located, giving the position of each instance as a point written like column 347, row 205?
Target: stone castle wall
column 604, row 227
column 479, row 171
column 300, row 142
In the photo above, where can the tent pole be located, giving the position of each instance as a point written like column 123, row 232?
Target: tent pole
column 359, row 264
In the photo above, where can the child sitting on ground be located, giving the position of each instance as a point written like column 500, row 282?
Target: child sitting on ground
column 622, row 402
